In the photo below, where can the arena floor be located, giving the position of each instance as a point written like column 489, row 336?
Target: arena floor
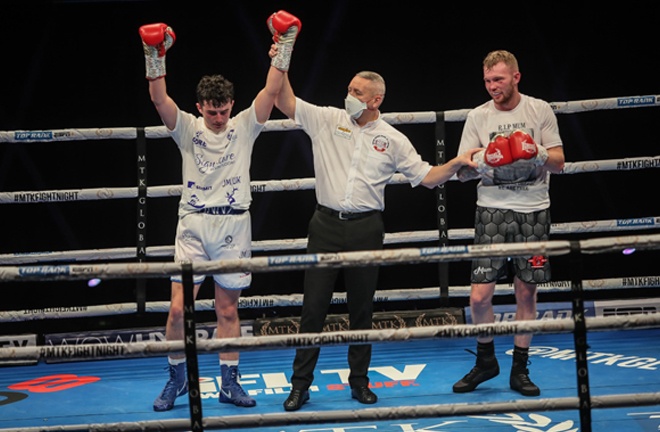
column 414, row 373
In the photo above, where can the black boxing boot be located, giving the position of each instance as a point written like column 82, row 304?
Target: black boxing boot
column 486, row 368
column 519, row 380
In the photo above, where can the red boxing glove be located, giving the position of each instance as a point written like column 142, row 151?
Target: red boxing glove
column 157, row 35
column 156, row 40
column 280, row 23
column 498, row 152
column 522, row 145
column 285, row 28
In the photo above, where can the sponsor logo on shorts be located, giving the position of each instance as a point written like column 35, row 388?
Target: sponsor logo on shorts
column 482, row 270
column 537, row 261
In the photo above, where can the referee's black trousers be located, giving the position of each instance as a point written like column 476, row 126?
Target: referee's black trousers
column 330, row 234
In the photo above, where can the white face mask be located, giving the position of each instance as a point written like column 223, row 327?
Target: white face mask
column 354, row 106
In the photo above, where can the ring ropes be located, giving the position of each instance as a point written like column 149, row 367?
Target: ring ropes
column 142, row 192
column 333, row 260
column 578, row 324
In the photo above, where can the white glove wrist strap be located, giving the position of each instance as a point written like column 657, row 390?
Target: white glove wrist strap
column 541, row 155
column 283, row 58
column 155, row 67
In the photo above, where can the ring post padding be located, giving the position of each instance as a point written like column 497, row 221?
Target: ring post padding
column 141, row 241
column 580, row 337
column 194, row 394
column 441, row 200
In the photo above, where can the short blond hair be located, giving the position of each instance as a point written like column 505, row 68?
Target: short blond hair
column 495, row 57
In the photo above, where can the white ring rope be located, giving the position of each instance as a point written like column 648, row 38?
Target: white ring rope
column 93, row 351
column 611, row 225
column 68, row 195
column 142, row 349
column 289, row 300
column 279, row 125
column 349, row 259
column 366, row 414
column 292, row 262
column 284, row 185
column 326, row 260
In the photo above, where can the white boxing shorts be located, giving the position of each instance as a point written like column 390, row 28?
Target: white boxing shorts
column 213, row 237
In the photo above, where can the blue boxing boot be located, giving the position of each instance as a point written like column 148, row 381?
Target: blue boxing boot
column 231, row 391
column 176, row 386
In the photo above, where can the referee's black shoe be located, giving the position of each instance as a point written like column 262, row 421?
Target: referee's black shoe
column 364, row 395
column 296, row 399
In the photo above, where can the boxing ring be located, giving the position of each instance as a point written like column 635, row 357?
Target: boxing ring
column 594, row 350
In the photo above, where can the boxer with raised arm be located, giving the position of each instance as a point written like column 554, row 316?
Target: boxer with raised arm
column 214, row 218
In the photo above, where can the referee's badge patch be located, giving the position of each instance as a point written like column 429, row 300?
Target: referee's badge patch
column 380, row 143
column 344, row 132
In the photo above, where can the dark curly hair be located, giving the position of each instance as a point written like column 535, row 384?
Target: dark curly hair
column 215, row 89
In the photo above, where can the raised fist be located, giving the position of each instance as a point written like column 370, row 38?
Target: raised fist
column 285, row 29
column 156, row 40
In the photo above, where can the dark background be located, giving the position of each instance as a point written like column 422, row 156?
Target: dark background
column 79, row 64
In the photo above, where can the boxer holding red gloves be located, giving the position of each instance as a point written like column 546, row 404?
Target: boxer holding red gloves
column 512, row 159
